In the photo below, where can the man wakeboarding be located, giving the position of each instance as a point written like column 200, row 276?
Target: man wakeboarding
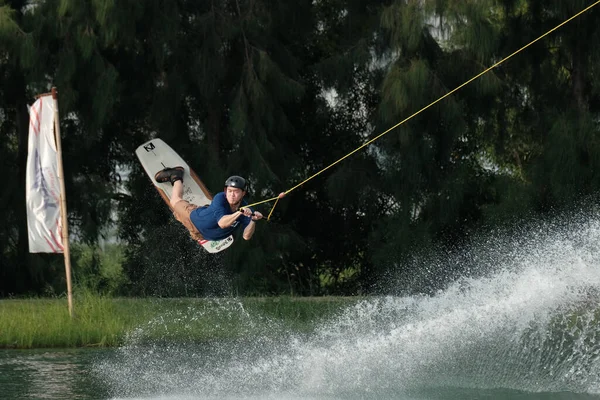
column 225, row 214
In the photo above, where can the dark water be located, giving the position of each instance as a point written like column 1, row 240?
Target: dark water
column 73, row 374
column 526, row 327
column 51, row 374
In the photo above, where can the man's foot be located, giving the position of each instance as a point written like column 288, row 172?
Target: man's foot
column 169, row 175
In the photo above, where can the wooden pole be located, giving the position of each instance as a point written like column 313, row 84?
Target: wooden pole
column 63, row 202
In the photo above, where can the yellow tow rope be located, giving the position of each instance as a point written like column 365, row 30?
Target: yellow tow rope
column 283, row 194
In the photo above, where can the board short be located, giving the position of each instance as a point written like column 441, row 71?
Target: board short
column 182, row 210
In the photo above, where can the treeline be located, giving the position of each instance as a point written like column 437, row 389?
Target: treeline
column 276, row 91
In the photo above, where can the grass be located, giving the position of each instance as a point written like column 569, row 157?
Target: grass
column 105, row 321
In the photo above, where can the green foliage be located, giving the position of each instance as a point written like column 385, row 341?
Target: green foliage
column 277, row 91
column 104, row 321
column 405, row 21
column 32, row 323
column 99, row 270
column 9, row 28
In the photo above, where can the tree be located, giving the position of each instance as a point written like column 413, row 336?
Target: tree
column 19, row 273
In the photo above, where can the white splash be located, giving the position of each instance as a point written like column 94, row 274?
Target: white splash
column 529, row 322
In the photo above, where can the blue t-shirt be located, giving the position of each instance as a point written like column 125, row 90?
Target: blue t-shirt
column 206, row 219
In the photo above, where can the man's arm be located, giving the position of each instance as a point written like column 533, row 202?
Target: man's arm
column 227, row 220
column 249, row 231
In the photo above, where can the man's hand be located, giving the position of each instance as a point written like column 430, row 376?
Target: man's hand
column 248, row 213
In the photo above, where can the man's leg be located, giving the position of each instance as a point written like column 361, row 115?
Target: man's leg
column 175, row 176
column 181, row 208
column 177, row 193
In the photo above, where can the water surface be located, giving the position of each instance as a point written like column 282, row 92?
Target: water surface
column 522, row 326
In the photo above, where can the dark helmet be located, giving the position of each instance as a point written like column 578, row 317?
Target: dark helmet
column 236, row 182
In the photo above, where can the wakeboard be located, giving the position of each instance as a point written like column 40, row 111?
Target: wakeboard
column 155, row 155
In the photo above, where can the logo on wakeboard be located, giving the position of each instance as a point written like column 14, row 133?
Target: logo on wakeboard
column 220, row 244
column 149, row 147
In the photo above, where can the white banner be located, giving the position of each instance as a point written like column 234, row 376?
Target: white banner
column 42, row 185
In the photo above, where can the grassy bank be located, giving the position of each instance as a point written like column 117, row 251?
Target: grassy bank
column 103, row 321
